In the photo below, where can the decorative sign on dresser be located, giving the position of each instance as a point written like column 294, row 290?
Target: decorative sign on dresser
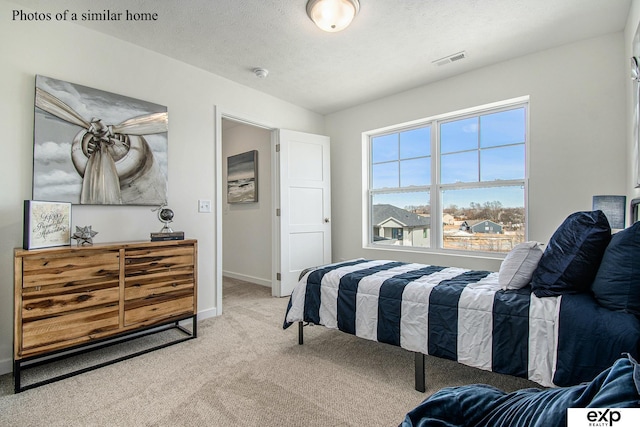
column 72, row 299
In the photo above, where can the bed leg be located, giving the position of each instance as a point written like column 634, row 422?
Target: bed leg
column 300, row 333
column 419, row 368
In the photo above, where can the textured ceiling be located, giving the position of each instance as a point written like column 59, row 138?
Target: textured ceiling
column 389, row 47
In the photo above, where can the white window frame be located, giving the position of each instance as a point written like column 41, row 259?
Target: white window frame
column 435, row 189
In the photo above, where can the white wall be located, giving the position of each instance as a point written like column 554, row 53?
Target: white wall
column 578, row 135
column 629, row 33
column 246, row 227
column 580, row 142
column 72, row 53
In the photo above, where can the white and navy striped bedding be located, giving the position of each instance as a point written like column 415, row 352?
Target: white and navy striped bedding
column 453, row 313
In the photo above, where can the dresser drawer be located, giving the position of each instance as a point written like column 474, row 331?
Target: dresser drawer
column 64, row 330
column 54, row 300
column 157, row 308
column 151, row 285
column 145, row 261
column 88, row 267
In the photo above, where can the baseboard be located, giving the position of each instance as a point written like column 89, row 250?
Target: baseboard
column 205, row 314
column 6, row 366
column 247, row 278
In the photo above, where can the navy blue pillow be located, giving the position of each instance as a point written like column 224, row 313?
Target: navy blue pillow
column 617, row 284
column 571, row 259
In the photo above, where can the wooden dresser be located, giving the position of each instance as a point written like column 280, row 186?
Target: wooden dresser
column 71, row 297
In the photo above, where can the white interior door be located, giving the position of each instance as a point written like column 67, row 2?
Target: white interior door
column 305, row 205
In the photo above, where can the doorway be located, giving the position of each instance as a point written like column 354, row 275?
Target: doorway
column 298, row 177
column 247, row 244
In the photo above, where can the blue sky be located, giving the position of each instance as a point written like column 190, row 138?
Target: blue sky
column 480, row 149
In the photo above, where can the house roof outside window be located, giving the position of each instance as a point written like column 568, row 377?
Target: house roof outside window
column 384, row 213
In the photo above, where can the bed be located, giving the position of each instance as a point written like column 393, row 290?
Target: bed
column 560, row 325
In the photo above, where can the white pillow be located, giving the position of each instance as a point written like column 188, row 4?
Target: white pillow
column 517, row 267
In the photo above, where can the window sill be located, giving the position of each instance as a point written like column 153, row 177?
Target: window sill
column 472, row 260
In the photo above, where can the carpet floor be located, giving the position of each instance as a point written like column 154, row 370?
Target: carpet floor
column 244, row 370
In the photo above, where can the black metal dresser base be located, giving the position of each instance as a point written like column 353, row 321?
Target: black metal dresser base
column 19, row 366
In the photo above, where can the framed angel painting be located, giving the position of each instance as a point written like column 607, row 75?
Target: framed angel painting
column 98, row 148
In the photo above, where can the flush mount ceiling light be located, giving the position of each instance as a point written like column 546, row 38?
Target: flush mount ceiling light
column 332, row 15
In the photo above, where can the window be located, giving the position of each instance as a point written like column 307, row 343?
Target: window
column 455, row 182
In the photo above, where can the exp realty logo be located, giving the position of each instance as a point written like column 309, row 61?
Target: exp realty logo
column 603, row 417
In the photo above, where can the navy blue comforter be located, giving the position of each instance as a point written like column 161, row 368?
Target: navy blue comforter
column 483, row 405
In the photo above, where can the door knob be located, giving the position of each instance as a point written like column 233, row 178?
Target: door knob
column 327, row 220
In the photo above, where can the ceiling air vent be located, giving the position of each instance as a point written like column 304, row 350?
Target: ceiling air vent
column 451, row 58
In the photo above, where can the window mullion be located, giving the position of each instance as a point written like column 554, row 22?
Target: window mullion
column 399, row 160
column 479, row 139
column 434, row 194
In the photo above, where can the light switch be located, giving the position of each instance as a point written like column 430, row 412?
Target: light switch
column 204, row 206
